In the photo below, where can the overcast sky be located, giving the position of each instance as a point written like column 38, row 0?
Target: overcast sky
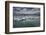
column 23, row 10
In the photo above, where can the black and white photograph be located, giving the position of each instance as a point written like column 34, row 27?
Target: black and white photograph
column 24, row 17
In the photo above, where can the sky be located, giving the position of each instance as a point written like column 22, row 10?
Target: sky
column 25, row 10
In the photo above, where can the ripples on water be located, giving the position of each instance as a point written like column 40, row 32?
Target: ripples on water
column 26, row 21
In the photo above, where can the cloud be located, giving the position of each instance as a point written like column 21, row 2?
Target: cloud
column 26, row 10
